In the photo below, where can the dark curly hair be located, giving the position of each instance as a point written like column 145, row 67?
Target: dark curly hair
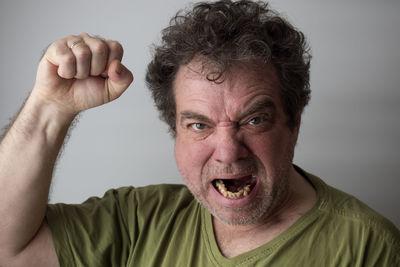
column 222, row 33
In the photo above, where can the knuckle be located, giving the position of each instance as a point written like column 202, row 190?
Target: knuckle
column 64, row 55
column 84, row 34
column 69, row 37
column 82, row 54
column 57, row 43
column 57, row 47
column 68, row 59
column 99, row 47
column 116, row 46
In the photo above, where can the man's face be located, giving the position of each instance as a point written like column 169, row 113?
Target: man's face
column 233, row 146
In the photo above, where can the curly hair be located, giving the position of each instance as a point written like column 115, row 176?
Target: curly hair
column 223, row 33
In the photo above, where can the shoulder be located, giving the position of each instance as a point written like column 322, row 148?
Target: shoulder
column 347, row 206
column 163, row 194
column 349, row 217
column 163, row 191
column 146, row 194
column 149, row 201
column 128, row 201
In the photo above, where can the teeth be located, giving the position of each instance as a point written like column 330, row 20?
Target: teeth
column 222, row 188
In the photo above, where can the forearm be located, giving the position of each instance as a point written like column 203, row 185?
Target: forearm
column 28, row 153
column 76, row 73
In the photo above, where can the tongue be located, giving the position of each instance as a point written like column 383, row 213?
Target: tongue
column 234, row 185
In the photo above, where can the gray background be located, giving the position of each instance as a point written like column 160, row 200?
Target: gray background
column 349, row 133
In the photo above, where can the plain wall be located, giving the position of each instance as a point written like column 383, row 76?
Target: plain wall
column 350, row 131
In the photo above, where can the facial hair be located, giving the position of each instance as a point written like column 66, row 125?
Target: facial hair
column 274, row 188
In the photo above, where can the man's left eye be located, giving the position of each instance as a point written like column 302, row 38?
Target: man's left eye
column 261, row 119
column 255, row 121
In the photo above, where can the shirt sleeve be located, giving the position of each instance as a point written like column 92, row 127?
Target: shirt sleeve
column 95, row 232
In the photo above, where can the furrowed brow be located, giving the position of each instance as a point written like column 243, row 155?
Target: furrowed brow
column 191, row 115
column 258, row 106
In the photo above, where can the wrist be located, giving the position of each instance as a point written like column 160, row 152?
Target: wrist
column 63, row 112
column 41, row 117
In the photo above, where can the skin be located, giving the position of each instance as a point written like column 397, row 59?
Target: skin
column 235, row 129
column 68, row 81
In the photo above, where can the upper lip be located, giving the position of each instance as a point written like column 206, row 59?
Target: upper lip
column 232, row 176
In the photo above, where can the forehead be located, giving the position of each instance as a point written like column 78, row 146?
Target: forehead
column 238, row 86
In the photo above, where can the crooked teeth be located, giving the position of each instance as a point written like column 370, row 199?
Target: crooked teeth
column 228, row 194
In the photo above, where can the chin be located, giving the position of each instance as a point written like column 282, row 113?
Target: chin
column 250, row 214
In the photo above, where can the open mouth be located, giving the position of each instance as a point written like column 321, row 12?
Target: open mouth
column 235, row 188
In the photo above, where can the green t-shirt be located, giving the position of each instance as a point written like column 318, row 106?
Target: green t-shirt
column 163, row 225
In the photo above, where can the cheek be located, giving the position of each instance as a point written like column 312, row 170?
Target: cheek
column 272, row 149
column 191, row 157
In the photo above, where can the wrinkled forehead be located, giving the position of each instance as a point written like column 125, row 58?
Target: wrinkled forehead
column 238, row 88
column 248, row 74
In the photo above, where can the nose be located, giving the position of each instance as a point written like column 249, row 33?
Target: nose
column 229, row 146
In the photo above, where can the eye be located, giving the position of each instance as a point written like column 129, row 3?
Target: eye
column 198, row 126
column 259, row 120
column 255, row 121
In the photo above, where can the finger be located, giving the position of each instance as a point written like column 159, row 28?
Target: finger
column 82, row 54
column 60, row 55
column 115, row 52
column 99, row 54
column 119, row 79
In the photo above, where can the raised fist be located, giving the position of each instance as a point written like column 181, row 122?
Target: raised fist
column 81, row 72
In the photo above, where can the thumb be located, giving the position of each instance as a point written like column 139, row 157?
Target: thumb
column 119, row 79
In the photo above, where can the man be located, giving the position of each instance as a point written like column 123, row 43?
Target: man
column 231, row 79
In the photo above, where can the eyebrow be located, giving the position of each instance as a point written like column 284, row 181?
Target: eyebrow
column 257, row 106
column 191, row 115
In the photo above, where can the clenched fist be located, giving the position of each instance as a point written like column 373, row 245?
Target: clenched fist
column 80, row 72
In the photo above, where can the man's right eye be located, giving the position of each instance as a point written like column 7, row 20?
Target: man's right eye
column 198, row 126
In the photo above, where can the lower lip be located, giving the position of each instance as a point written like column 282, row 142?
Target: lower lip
column 234, row 203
